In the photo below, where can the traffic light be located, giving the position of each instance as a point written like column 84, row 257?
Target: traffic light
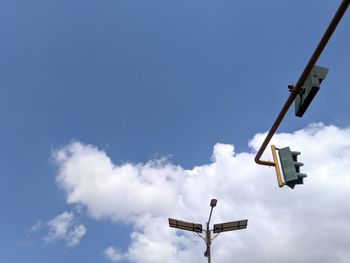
column 309, row 89
column 291, row 167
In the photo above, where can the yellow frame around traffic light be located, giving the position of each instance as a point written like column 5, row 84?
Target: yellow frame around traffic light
column 277, row 166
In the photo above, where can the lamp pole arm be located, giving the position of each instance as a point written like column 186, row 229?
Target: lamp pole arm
column 211, row 211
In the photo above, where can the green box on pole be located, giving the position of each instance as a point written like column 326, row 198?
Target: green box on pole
column 291, row 167
column 309, row 89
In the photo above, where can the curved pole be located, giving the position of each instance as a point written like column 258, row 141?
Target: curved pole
column 321, row 45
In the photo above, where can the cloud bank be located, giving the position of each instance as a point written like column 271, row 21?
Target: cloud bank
column 307, row 224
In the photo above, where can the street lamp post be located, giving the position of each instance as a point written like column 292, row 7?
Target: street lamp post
column 208, row 239
column 218, row 228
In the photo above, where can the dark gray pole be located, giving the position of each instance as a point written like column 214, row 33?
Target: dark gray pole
column 207, row 232
column 208, row 243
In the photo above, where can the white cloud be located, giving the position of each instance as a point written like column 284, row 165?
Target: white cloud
column 58, row 226
column 113, row 254
column 307, row 224
column 36, row 227
column 73, row 237
column 63, row 227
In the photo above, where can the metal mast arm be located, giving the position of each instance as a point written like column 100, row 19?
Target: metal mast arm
column 321, row 45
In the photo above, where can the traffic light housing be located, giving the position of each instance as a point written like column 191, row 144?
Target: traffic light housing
column 291, row 167
column 309, row 89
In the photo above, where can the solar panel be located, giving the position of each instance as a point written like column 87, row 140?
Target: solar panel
column 185, row 225
column 230, row 226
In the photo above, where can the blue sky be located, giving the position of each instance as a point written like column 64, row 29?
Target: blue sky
column 140, row 81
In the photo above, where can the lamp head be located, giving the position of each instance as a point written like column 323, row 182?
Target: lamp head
column 213, row 202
